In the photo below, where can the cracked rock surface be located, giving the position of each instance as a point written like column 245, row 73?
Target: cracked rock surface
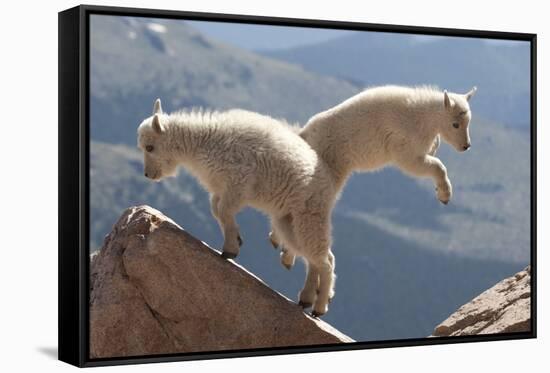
column 155, row 289
column 504, row 308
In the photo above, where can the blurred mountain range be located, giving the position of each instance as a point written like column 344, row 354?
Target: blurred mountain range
column 501, row 71
column 404, row 261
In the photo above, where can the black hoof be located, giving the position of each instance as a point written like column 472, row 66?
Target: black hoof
column 316, row 314
column 240, row 240
column 227, row 255
column 304, row 304
column 444, row 202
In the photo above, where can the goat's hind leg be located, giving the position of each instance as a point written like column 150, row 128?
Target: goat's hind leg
column 321, row 264
column 313, row 236
column 309, row 292
column 282, row 228
column 274, row 239
column 288, row 258
column 332, row 260
column 319, row 286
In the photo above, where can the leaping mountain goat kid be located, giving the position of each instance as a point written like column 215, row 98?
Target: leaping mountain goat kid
column 389, row 125
column 244, row 158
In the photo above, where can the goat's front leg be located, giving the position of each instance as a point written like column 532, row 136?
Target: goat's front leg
column 429, row 166
column 224, row 210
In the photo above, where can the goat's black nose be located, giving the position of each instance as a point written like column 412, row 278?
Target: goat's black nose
column 146, row 174
column 467, row 146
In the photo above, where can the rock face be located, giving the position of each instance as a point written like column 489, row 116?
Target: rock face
column 504, row 308
column 155, row 289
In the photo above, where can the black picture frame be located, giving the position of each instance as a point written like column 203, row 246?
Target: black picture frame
column 74, row 182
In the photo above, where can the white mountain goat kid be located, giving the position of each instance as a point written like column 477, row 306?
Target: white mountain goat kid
column 244, row 158
column 389, row 125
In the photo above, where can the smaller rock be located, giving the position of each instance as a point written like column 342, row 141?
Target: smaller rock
column 504, row 308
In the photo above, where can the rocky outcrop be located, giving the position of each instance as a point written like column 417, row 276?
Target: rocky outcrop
column 155, row 289
column 504, row 308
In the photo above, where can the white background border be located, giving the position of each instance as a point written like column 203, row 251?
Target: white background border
column 28, row 169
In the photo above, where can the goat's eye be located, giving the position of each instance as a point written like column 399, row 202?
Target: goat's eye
column 456, row 125
column 149, row 148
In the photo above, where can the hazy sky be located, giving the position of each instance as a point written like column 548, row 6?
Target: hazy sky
column 267, row 37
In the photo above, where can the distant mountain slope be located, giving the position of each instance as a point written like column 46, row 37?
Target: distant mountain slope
column 135, row 60
column 502, row 72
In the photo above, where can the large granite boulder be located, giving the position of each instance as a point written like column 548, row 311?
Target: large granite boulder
column 155, row 289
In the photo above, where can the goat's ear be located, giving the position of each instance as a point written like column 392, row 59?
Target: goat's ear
column 470, row 94
column 157, row 126
column 157, row 107
column 446, row 99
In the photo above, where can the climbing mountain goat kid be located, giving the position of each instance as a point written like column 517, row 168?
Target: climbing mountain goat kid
column 389, row 125
column 393, row 125
column 244, row 158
